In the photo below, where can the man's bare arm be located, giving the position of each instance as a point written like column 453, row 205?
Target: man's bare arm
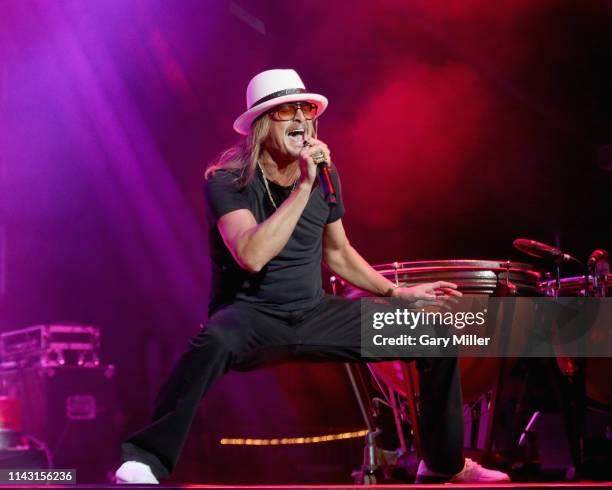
column 253, row 245
column 346, row 262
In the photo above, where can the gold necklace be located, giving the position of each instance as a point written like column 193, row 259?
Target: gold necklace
column 268, row 186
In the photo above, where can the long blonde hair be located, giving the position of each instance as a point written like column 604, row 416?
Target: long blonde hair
column 241, row 159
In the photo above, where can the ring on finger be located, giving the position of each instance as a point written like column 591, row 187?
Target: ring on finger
column 318, row 157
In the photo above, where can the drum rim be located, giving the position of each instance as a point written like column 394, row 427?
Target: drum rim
column 570, row 281
column 495, row 266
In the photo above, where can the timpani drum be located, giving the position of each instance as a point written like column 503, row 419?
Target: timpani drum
column 473, row 277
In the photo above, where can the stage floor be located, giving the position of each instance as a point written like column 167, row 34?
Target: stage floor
column 326, row 487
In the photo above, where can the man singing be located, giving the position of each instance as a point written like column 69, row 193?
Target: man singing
column 270, row 228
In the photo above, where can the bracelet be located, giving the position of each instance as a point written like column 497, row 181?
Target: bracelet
column 389, row 292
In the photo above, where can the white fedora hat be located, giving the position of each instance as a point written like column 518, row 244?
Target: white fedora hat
column 271, row 88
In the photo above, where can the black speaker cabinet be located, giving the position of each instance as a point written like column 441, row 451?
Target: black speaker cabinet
column 74, row 412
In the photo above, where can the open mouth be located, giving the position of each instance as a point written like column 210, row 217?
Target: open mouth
column 297, row 136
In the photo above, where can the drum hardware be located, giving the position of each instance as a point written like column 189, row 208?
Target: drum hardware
column 370, row 471
column 374, row 457
column 595, row 283
column 370, row 467
column 399, row 413
column 335, row 283
column 583, row 383
column 409, row 375
column 371, row 461
column 396, row 267
column 380, row 464
column 480, row 277
column 528, row 428
column 550, row 291
column 332, row 281
column 529, row 461
column 480, row 376
column 358, row 389
column 509, row 288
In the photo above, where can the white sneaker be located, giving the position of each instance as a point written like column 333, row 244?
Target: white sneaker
column 135, row 472
column 472, row 472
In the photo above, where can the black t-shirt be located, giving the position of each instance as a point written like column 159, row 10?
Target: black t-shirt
column 291, row 280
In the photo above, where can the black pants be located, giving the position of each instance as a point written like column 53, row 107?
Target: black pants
column 241, row 337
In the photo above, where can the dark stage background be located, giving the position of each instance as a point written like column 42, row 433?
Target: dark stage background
column 457, row 126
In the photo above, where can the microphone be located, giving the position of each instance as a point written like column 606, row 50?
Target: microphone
column 327, row 184
column 325, row 181
column 543, row 251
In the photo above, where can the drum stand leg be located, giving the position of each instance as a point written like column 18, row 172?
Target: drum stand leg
column 370, row 471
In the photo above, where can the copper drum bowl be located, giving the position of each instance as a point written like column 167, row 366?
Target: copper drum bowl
column 598, row 369
column 473, row 277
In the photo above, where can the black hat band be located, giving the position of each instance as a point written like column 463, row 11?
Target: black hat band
column 280, row 93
